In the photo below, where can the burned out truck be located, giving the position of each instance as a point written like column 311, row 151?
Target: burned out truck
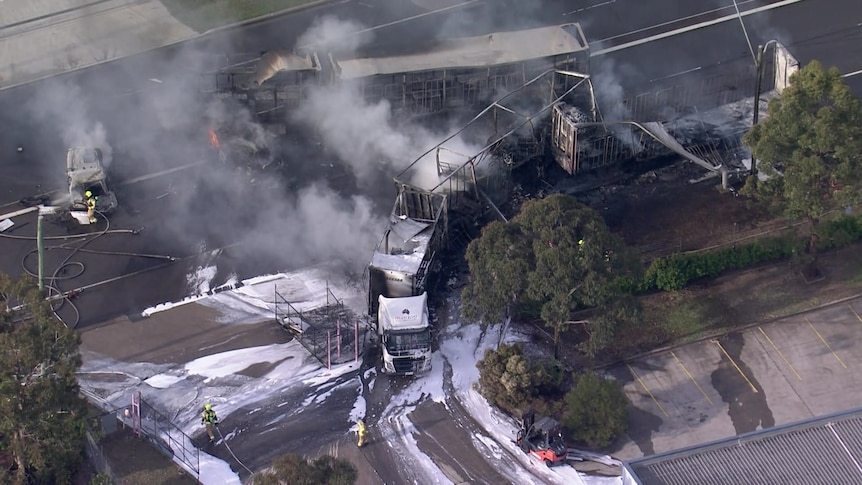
column 398, row 277
column 85, row 172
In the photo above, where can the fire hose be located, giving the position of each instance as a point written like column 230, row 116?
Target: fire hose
column 55, row 294
column 232, row 453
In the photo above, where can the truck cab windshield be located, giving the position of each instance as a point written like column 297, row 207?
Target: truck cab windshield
column 407, row 340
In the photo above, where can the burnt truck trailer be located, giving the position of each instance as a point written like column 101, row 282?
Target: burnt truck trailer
column 398, row 276
column 417, row 80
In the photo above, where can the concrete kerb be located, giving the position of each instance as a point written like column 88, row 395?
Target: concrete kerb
column 719, row 333
column 235, row 25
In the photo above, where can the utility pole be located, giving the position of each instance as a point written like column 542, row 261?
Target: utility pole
column 758, row 79
column 41, row 250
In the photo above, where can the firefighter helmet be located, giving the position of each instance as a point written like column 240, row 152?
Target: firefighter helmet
column 208, row 406
column 88, row 194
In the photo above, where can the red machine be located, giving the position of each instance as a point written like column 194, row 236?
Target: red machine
column 542, row 439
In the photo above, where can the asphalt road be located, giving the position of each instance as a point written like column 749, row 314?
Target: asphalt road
column 154, row 124
column 146, row 120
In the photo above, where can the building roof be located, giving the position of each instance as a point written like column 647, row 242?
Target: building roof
column 471, row 52
column 820, row 450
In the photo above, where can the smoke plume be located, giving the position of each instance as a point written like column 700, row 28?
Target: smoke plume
column 369, row 137
column 61, row 106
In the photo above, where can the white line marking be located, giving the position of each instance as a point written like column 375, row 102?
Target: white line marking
column 698, row 68
column 854, row 73
column 669, row 22
column 690, row 28
column 603, row 4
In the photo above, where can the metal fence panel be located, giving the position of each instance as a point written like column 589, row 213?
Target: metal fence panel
column 168, row 438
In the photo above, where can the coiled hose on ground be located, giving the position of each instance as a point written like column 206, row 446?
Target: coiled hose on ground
column 56, row 295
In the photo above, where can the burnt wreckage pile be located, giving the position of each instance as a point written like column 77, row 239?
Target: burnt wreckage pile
column 535, row 101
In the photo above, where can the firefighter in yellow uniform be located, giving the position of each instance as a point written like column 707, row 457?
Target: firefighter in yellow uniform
column 91, row 206
column 360, row 430
column 210, row 419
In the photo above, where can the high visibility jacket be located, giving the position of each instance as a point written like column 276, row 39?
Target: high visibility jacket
column 361, row 428
column 91, row 203
column 209, row 416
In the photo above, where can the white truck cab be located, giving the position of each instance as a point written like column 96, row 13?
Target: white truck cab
column 404, row 330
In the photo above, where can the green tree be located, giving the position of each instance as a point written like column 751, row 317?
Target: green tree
column 597, row 411
column 42, row 415
column 556, row 252
column 291, row 469
column 499, row 261
column 809, row 149
column 508, row 379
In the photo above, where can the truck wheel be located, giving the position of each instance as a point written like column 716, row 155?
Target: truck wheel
column 548, row 463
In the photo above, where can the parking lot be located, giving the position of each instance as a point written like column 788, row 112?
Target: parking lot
column 776, row 373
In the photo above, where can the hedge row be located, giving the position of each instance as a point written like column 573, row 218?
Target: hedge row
column 677, row 271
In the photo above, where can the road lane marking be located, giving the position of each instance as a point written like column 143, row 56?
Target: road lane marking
column 681, row 73
column 854, row 312
column 668, row 22
column 826, row 343
column 690, row 377
column 645, row 388
column 161, row 173
column 584, row 9
column 733, row 362
column 780, row 353
column 854, row 73
column 683, row 30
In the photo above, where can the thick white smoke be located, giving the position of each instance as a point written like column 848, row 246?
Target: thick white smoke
column 612, row 99
column 61, row 106
column 320, row 225
column 367, row 136
column 338, row 36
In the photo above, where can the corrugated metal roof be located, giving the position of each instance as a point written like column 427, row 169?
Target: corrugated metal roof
column 483, row 51
column 821, row 450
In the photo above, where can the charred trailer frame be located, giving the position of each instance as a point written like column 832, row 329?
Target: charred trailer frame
column 398, row 275
column 467, row 72
column 269, row 84
column 407, row 254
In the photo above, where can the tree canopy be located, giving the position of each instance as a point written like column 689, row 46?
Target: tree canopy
column 291, row 469
column 508, row 379
column 559, row 254
column 42, row 416
column 809, row 148
column 597, row 411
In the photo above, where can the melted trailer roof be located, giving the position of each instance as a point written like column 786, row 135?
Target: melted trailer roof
column 274, row 62
column 482, row 51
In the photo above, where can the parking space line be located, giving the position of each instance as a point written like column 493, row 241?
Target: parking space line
column 780, row 353
column 826, row 343
column 641, row 382
column 733, row 362
column 854, row 312
column 690, row 376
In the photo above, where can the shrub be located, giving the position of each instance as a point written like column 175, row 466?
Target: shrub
column 597, row 411
column 296, row 470
column 679, row 270
column 840, row 232
column 508, row 379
